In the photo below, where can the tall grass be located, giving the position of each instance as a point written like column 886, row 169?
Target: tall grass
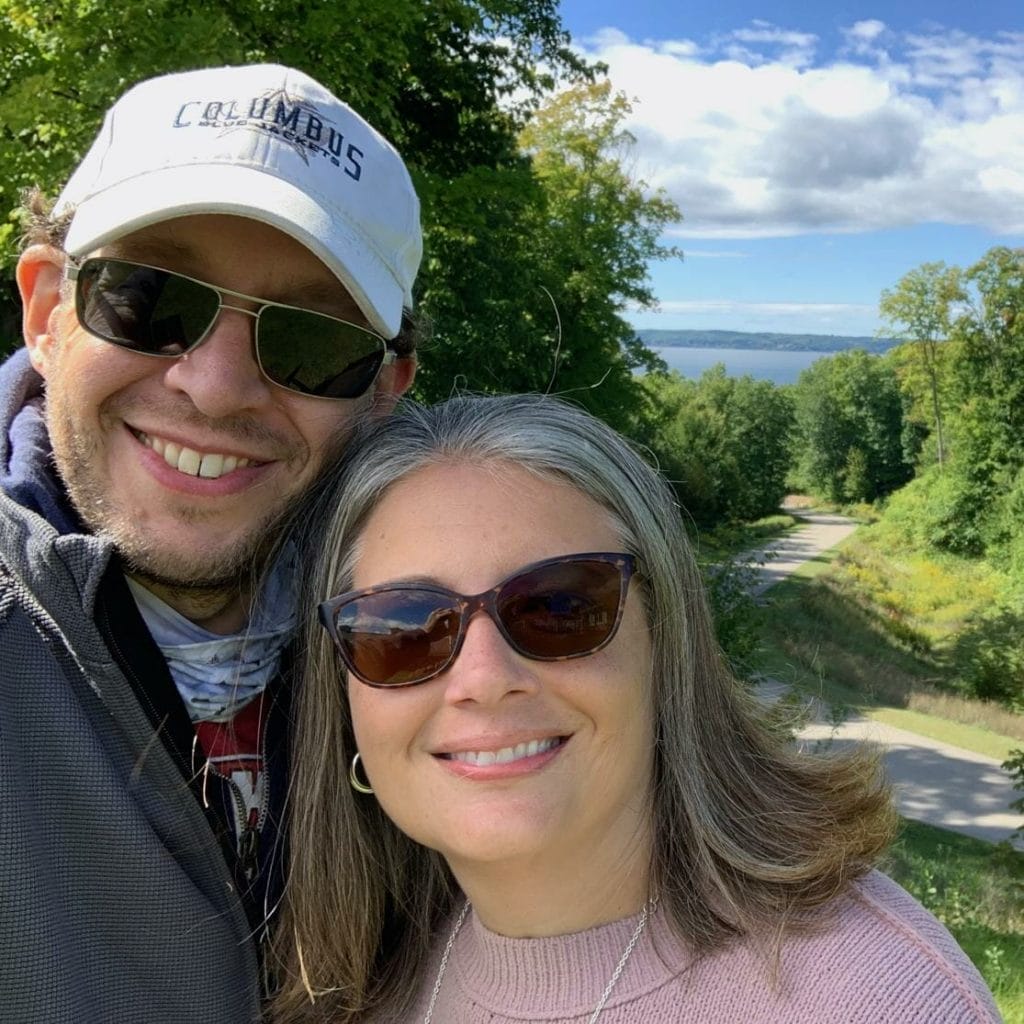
column 977, row 890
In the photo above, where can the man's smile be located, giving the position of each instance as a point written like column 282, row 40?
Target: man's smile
column 209, row 465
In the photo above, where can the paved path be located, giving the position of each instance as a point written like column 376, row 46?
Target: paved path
column 938, row 783
column 935, row 782
column 777, row 559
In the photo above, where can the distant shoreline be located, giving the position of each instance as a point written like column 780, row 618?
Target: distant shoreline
column 764, row 341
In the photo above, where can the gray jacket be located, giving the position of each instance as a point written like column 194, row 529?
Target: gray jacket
column 116, row 905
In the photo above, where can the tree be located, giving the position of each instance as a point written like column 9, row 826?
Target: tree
column 723, row 442
column 760, row 435
column 536, row 235
column 687, row 443
column 988, row 373
column 972, row 506
column 849, row 428
column 919, row 311
column 977, row 511
column 543, row 258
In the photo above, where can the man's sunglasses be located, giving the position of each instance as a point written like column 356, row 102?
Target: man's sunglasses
column 400, row 634
column 160, row 313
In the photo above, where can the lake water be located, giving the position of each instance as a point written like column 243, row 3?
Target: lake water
column 762, row 364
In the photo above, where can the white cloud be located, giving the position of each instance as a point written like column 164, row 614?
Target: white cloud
column 679, row 47
column 754, row 135
column 866, row 31
column 786, row 47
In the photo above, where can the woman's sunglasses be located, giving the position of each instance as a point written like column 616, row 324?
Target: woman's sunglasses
column 400, row 634
column 159, row 313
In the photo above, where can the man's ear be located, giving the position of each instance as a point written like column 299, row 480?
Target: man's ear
column 40, row 274
column 393, row 382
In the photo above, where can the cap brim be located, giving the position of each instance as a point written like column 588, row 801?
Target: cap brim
column 245, row 192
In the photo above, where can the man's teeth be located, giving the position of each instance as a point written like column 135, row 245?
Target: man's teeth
column 209, row 465
column 482, row 758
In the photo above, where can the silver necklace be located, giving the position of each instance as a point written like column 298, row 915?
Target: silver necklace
column 649, row 908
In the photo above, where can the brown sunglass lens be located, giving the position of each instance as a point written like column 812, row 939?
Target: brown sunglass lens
column 399, row 636
column 561, row 611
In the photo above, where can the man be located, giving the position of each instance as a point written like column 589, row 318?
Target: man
column 215, row 299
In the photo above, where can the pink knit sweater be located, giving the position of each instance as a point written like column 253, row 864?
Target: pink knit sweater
column 884, row 960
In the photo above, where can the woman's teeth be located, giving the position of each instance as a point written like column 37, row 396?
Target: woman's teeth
column 482, row 758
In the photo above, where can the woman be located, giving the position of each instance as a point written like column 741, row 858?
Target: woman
column 527, row 788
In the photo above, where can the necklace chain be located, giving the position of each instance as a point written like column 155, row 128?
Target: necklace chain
column 444, row 962
column 648, row 909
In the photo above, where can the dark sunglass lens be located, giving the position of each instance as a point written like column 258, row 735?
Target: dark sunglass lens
column 147, row 310
column 397, row 637
column 316, row 354
column 563, row 610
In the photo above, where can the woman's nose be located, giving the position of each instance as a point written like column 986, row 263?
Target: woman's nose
column 487, row 668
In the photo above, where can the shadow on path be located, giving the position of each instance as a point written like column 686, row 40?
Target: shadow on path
column 935, row 782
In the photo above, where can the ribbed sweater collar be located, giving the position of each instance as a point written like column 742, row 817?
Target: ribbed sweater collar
column 562, row 976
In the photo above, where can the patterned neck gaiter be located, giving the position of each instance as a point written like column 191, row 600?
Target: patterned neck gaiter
column 218, row 675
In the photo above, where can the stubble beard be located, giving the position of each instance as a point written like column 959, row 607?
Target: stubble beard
column 224, row 569
column 204, row 573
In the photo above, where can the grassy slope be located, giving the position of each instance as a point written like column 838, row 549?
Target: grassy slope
column 822, row 633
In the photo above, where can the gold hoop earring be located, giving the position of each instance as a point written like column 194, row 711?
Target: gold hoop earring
column 353, row 779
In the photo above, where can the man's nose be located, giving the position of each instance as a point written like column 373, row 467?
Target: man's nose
column 220, row 375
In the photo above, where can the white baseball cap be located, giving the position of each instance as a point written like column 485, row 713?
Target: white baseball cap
column 260, row 141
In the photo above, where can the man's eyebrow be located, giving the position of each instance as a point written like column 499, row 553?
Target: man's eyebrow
column 320, row 291
column 152, row 249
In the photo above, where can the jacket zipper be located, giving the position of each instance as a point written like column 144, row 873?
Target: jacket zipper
column 248, row 841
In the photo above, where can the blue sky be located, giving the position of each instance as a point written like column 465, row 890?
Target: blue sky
column 817, row 152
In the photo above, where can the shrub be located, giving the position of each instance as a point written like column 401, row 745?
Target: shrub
column 1014, row 764
column 1005, row 533
column 728, row 587
column 953, row 514
column 942, row 509
column 989, row 656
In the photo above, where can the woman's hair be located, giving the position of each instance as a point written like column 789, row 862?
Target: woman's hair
column 750, row 833
column 41, row 227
